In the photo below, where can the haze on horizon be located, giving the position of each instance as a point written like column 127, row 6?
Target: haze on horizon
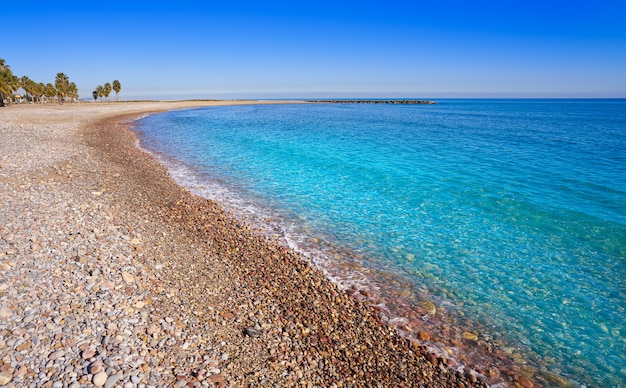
column 280, row 49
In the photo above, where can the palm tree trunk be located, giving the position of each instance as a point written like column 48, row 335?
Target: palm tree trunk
column 1, row 100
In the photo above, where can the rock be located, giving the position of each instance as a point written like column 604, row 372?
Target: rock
column 470, row 336
column 556, row 380
column 5, row 377
column 423, row 336
column 128, row 278
column 228, row 315
column 525, row 382
column 5, row 312
column 88, row 353
column 56, row 355
column 252, row 332
column 429, row 307
column 134, row 241
column 95, row 367
column 99, row 379
column 217, row 378
column 112, row 380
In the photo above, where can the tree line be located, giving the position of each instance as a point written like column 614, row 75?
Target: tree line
column 104, row 91
column 61, row 90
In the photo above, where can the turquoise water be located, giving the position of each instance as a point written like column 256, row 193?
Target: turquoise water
column 509, row 213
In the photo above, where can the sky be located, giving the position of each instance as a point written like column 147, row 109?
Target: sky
column 309, row 49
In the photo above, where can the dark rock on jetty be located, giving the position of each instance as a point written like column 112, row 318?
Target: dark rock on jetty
column 393, row 102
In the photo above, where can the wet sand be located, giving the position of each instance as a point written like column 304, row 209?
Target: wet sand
column 148, row 285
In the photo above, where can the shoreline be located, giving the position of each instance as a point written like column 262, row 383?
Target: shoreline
column 241, row 310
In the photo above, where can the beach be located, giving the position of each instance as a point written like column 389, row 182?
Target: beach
column 113, row 275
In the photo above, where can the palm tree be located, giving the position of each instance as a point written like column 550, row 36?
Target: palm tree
column 62, row 85
column 41, row 91
column 107, row 90
column 50, row 91
column 100, row 91
column 117, row 86
column 95, row 95
column 29, row 87
column 8, row 82
column 73, row 91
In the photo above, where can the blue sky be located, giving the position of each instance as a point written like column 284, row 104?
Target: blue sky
column 271, row 49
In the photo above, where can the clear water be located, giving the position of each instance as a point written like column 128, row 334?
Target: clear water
column 510, row 212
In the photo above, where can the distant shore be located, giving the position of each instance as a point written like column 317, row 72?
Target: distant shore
column 376, row 101
column 149, row 284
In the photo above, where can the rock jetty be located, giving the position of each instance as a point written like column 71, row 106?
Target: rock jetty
column 365, row 101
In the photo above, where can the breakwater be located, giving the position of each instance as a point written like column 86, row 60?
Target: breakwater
column 394, row 102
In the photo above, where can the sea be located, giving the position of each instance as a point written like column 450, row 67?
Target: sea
column 495, row 226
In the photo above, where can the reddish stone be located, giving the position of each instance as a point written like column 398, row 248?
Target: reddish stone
column 423, row 336
column 228, row 315
column 525, row 382
column 217, row 378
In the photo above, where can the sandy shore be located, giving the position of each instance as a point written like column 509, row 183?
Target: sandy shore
column 112, row 275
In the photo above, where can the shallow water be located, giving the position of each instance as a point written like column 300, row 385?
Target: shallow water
column 508, row 213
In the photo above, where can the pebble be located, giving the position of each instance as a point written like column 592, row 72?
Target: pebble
column 5, row 377
column 88, row 353
column 252, row 332
column 5, row 312
column 127, row 277
column 99, row 379
column 112, row 380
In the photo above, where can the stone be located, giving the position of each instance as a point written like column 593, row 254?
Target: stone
column 55, row 355
column 128, row 278
column 252, row 332
column 99, row 379
column 470, row 336
column 112, row 380
column 95, row 367
column 525, row 382
column 429, row 307
column 5, row 312
column 5, row 377
column 423, row 336
column 88, row 353
column 216, row 378
column 134, row 241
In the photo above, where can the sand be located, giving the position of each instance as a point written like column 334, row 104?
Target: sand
column 113, row 275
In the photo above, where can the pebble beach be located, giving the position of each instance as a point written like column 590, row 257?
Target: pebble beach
column 111, row 275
